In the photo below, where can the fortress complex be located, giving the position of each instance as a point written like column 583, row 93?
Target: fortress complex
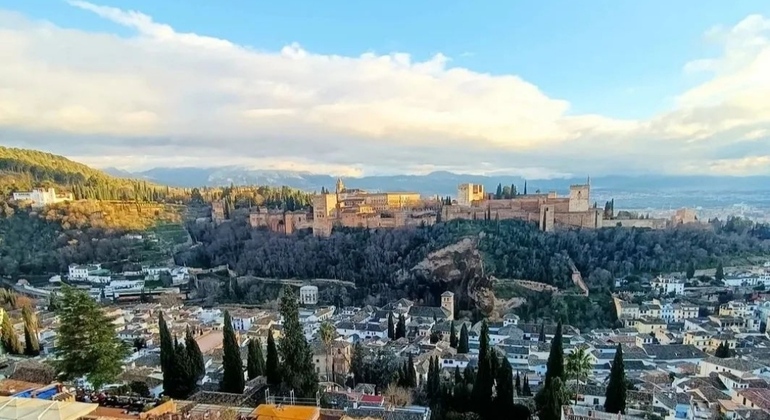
column 356, row 208
column 544, row 209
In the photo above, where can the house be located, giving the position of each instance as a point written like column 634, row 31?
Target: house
column 738, row 367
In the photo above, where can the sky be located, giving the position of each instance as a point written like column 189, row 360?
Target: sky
column 537, row 89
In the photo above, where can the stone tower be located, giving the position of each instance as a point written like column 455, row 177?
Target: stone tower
column 579, row 196
column 448, row 303
column 340, row 186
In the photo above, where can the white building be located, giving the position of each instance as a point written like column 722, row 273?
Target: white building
column 116, row 287
column 308, row 295
column 668, row 285
column 41, row 197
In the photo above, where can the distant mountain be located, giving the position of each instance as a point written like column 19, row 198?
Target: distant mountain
column 441, row 183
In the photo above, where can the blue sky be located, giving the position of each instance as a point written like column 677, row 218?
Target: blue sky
column 621, row 60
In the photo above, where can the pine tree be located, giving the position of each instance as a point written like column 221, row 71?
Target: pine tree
column 401, row 327
column 272, row 364
column 481, row 396
column 194, row 355
column 11, row 342
column 720, row 273
column 232, row 379
column 255, row 364
column 462, row 344
column 452, row 336
column 616, row 388
column 503, row 403
column 391, row 327
column 87, row 342
column 31, row 341
column 298, row 372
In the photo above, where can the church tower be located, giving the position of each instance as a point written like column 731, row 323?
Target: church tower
column 448, row 303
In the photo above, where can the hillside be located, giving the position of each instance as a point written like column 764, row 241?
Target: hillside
column 23, row 169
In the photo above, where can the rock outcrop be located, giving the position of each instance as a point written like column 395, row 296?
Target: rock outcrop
column 458, row 268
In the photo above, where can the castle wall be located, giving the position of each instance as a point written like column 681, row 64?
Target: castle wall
column 637, row 223
column 585, row 219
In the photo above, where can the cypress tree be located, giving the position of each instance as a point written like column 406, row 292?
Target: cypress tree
column 616, row 388
column 255, row 365
column 518, row 384
column 429, row 386
column 401, row 327
column 232, row 379
column 411, row 374
column 194, row 355
column 499, row 192
column 452, row 336
column 503, row 403
column 551, row 396
column 272, row 365
column 481, row 396
column 720, row 273
column 541, row 336
column 167, row 353
column 11, row 342
column 391, row 327
column 462, row 344
column 690, row 270
column 436, row 378
column 31, row 341
column 525, row 391
column 184, row 379
column 298, row 372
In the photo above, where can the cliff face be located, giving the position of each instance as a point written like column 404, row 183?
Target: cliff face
column 458, row 268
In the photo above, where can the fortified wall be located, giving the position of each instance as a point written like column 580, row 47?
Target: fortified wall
column 356, row 208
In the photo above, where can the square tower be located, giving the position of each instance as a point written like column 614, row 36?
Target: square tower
column 448, row 303
column 579, row 197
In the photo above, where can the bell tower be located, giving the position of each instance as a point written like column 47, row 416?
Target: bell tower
column 448, row 303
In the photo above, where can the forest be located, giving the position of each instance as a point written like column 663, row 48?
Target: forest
column 511, row 249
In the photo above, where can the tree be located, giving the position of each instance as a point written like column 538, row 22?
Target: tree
column 327, row 333
column 503, row 403
column 551, row 396
column 401, row 327
column 255, row 364
column 723, row 351
column 194, row 355
column 31, row 341
column 391, row 327
column 690, row 270
column 452, row 335
column 541, row 336
column 518, row 384
column 184, row 373
column 616, row 387
column 272, row 364
column 525, row 391
column 297, row 370
column 232, row 378
column 481, row 396
column 10, row 339
column 720, row 273
column 87, row 343
column 499, row 192
column 167, row 354
column 462, row 344
column 579, row 366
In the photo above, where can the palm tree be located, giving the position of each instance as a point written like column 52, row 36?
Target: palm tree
column 578, row 366
column 327, row 333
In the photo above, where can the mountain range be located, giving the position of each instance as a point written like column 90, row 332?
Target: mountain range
column 439, row 183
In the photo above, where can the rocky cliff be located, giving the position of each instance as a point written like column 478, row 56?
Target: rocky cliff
column 459, row 268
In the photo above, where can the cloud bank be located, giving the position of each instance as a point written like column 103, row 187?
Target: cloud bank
column 159, row 97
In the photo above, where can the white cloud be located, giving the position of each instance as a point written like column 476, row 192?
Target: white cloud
column 182, row 99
